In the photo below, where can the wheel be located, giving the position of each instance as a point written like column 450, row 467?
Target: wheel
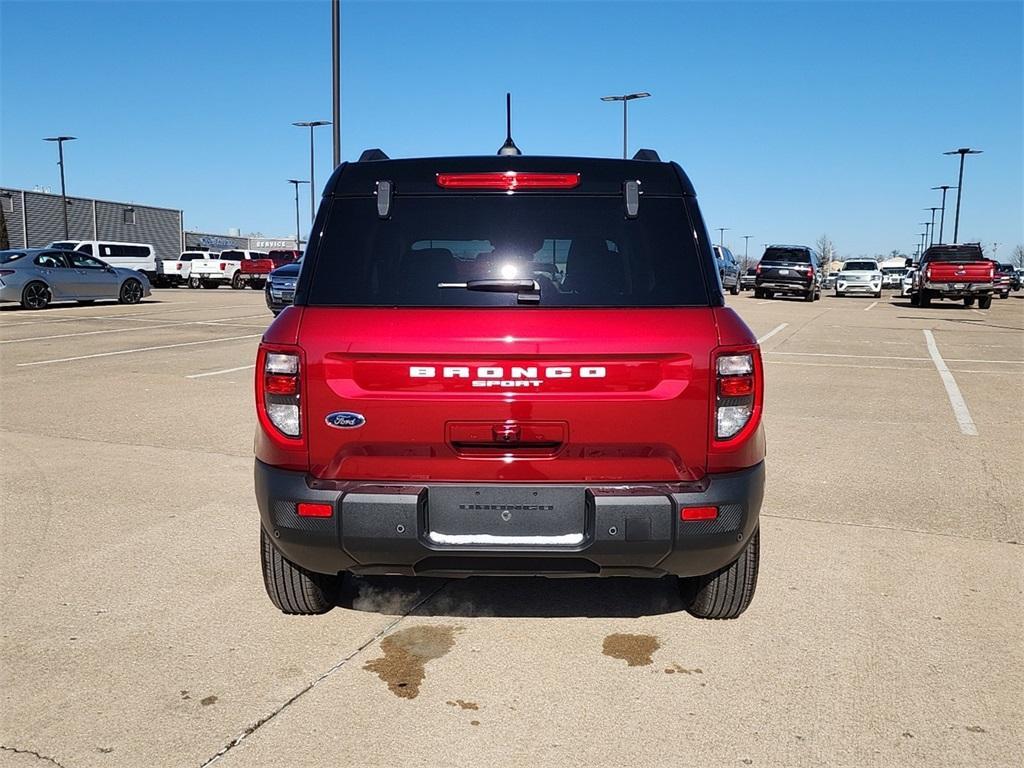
column 839, row 294
column 36, row 295
column 131, row 292
column 758, row 293
column 968, row 301
column 727, row 592
column 878, row 295
column 984, row 302
column 915, row 299
column 769, row 294
column 924, row 298
column 238, row 282
column 735, row 289
column 809, row 296
column 1004, row 295
column 209, row 284
column 194, row 282
column 292, row 589
column 258, row 285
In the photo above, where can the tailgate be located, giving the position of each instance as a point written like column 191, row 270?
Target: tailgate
column 508, row 394
column 210, row 267
column 257, row 266
column 959, row 272
column 784, row 271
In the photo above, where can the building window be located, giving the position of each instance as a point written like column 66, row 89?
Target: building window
column 129, row 215
column 7, row 202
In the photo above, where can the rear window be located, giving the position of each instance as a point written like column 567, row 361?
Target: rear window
column 799, row 255
column 581, row 251
column 958, row 253
column 6, row 257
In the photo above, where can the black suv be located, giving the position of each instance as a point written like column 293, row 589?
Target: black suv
column 728, row 269
column 793, row 270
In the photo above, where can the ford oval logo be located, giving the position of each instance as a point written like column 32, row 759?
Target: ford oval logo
column 345, row 420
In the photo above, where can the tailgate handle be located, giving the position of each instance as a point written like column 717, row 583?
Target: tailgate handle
column 506, row 435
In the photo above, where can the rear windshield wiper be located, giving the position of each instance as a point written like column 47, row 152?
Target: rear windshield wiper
column 528, row 290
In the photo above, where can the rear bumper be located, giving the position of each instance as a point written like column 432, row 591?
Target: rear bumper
column 627, row 530
column 960, row 290
column 780, row 286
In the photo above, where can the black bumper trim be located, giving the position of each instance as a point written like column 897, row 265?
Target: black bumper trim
column 627, row 529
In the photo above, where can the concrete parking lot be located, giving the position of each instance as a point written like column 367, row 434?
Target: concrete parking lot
column 888, row 627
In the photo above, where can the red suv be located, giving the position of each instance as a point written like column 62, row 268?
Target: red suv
column 510, row 365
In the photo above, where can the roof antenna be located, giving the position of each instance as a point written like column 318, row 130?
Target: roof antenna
column 509, row 147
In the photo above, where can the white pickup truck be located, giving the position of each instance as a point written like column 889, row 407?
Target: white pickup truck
column 225, row 270
column 175, row 272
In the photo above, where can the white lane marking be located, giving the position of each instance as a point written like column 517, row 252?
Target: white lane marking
column 762, row 303
column 140, row 349
column 218, row 373
column 72, row 318
column 882, row 367
column 127, row 330
column 772, row 332
column 893, row 357
column 977, row 310
column 869, row 306
column 963, row 416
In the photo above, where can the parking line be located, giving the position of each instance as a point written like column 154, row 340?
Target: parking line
column 772, row 332
column 139, row 349
column 869, row 306
column 956, row 400
column 218, row 373
column 129, row 330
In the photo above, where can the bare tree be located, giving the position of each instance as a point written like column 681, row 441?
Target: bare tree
column 1018, row 256
column 827, row 249
column 5, row 240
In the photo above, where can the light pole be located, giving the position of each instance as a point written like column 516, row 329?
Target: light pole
column 933, row 210
column 963, row 152
column 924, row 236
column 721, row 236
column 942, row 220
column 625, row 99
column 60, row 161
column 312, row 176
column 298, row 237
column 335, row 80
column 746, row 242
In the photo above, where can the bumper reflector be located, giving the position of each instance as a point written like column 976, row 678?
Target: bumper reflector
column 307, row 509
column 698, row 513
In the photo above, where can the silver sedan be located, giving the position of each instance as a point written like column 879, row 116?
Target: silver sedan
column 34, row 277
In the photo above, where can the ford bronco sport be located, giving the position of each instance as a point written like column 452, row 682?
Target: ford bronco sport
column 509, row 365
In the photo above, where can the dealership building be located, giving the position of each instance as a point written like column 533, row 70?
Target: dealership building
column 34, row 219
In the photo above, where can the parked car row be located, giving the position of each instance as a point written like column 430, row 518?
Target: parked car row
column 36, row 277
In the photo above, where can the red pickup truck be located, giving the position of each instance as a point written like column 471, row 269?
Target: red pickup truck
column 958, row 272
column 254, row 272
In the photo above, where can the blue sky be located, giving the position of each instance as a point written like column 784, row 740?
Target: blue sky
column 792, row 119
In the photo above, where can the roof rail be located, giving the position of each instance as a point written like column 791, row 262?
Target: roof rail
column 647, row 154
column 370, row 155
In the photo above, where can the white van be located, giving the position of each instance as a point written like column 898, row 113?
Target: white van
column 137, row 256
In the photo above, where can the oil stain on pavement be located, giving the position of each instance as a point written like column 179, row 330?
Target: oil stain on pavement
column 406, row 653
column 635, row 650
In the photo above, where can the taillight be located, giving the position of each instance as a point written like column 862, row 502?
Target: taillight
column 508, row 180
column 279, row 392
column 178, row 266
column 737, row 391
column 757, row 270
column 223, row 266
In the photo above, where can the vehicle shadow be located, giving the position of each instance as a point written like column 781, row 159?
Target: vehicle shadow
column 513, row 596
column 56, row 308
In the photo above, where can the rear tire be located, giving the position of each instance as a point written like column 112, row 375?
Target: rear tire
column 758, row 293
column 923, row 298
column 769, row 294
column 36, row 295
column 258, row 285
column 878, row 295
column 984, row 302
column 735, row 289
column 237, row 282
column 809, row 296
column 209, row 284
column 839, row 294
column 968, row 301
column 1004, row 295
column 727, row 592
column 292, row 589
